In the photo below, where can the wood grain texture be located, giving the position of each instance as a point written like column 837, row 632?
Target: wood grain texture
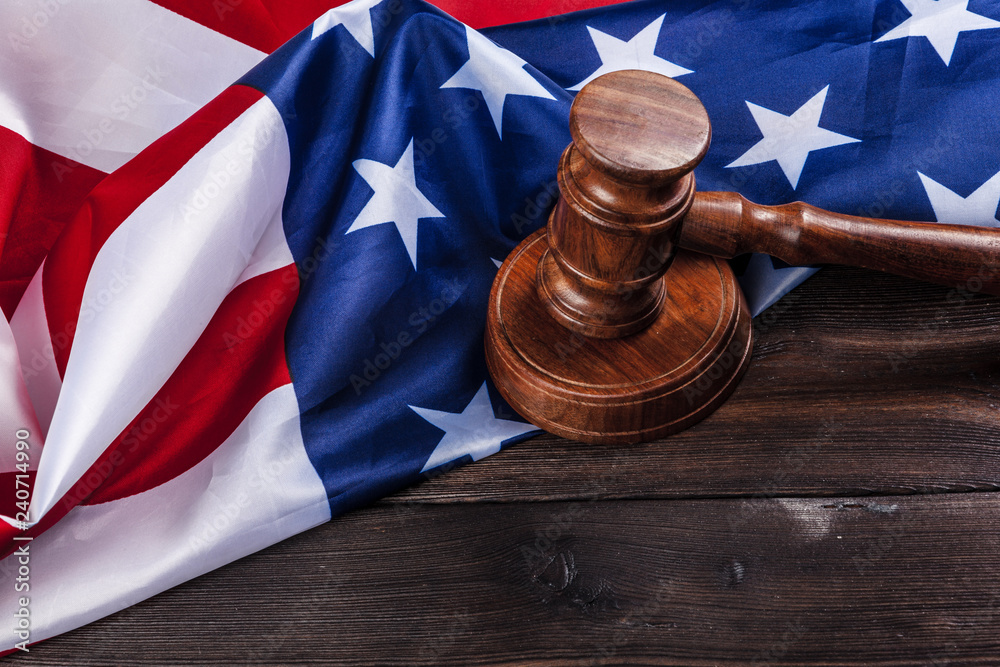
column 655, row 382
column 879, row 581
column 860, row 383
column 585, row 335
column 840, row 509
column 625, row 183
column 640, row 127
column 626, row 194
column 725, row 224
column 437, row 576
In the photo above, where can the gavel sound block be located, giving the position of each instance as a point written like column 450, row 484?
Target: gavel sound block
column 621, row 322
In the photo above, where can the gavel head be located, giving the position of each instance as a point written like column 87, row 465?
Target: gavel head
column 626, row 183
column 598, row 328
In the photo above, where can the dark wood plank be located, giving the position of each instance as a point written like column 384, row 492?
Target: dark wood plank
column 875, row 581
column 860, row 383
column 848, row 394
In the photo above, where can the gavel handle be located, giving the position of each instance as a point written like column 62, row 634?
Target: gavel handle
column 724, row 224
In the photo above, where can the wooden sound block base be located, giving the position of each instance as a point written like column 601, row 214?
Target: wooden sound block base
column 624, row 390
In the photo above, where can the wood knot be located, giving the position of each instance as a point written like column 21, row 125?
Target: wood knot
column 563, row 584
column 559, row 572
column 733, row 573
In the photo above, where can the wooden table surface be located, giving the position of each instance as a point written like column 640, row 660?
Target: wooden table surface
column 840, row 509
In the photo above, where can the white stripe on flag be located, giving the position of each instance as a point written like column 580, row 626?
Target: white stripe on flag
column 256, row 489
column 156, row 283
column 271, row 253
column 34, row 343
column 97, row 83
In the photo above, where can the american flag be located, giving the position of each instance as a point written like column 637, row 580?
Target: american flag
column 236, row 311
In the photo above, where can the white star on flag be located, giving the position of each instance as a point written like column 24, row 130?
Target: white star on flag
column 496, row 73
column 475, row 432
column 356, row 17
column 979, row 208
column 636, row 53
column 939, row 21
column 397, row 199
column 790, row 139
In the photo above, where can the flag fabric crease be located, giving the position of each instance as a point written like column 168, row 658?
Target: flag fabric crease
column 246, row 266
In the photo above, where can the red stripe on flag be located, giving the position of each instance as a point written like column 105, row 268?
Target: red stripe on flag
column 500, row 12
column 40, row 192
column 114, row 199
column 262, row 24
column 239, row 359
column 267, row 24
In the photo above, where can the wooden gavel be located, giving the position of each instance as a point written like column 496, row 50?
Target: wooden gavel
column 619, row 322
